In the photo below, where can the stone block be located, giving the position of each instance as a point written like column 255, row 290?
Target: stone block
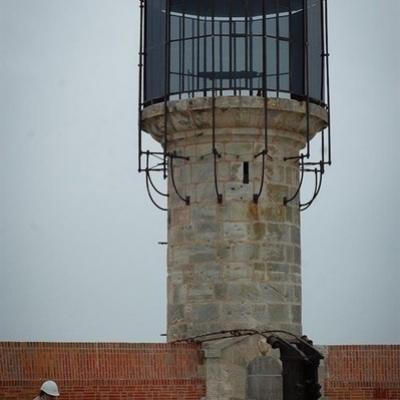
column 176, row 313
column 235, row 231
column 279, row 312
column 207, row 231
column 178, row 294
column 238, row 191
column 296, row 294
column 276, row 193
column 260, row 312
column 295, row 269
column 297, row 255
column 273, row 292
column 208, row 272
column 259, row 272
column 228, row 171
column 278, row 276
column 275, row 173
column 201, row 253
column 224, row 251
column 276, row 267
column 236, row 271
column 205, row 192
column 280, row 291
column 246, row 252
column 205, row 312
column 220, row 291
column 203, row 172
column 274, row 214
column 292, row 175
column 201, row 214
column 295, row 234
column 295, row 278
column 180, row 216
column 296, row 313
column 237, row 312
column 180, row 254
column 273, row 253
column 278, row 232
column 244, row 292
column 235, row 211
column 198, row 291
column 257, row 231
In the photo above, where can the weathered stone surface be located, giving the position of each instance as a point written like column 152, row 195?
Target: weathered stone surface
column 205, row 312
column 235, row 264
column 279, row 312
column 235, row 230
column 264, row 379
column 193, row 115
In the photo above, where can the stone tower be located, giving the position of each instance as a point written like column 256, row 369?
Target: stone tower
column 234, row 91
column 235, row 264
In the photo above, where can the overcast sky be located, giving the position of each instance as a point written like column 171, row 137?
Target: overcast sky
column 79, row 256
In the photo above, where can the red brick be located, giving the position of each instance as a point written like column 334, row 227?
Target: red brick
column 363, row 373
column 100, row 371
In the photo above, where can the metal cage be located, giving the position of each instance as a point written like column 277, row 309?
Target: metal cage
column 268, row 48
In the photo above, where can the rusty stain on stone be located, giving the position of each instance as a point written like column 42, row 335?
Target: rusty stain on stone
column 253, row 211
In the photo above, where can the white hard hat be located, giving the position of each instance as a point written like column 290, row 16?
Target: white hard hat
column 50, row 388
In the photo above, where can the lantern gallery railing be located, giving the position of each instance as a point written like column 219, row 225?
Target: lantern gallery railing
column 210, row 48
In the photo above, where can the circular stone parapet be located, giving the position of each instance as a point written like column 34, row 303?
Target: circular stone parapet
column 189, row 116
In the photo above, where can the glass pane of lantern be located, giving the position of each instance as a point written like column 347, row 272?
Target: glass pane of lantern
column 271, row 56
column 237, row 59
column 315, row 48
column 284, row 26
column 283, row 57
column 271, row 25
column 175, row 27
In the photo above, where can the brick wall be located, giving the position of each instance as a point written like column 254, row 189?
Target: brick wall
column 112, row 371
column 96, row 371
column 363, row 373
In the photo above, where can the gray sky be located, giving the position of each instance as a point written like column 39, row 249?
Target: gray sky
column 79, row 259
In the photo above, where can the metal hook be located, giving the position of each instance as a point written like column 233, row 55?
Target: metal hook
column 186, row 199
column 285, row 199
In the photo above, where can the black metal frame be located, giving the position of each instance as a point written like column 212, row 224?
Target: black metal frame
column 307, row 165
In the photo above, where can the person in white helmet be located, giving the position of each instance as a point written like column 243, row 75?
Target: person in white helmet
column 49, row 390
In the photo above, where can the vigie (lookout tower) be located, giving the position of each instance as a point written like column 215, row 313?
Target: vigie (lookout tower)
column 234, row 91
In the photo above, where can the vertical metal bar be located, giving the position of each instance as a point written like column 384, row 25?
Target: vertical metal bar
column 322, row 79
column 179, row 72
column 198, row 48
column 167, row 83
column 322, row 93
column 277, row 33
column 205, row 56
column 246, row 38
column 183, row 39
column 290, row 45
column 215, row 151
column 265, row 74
column 221, row 65
column 264, row 153
column 230, row 45
column 328, row 93
column 193, row 57
column 234, row 57
column 140, row 103
column 307, row 73
column 251, row 55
